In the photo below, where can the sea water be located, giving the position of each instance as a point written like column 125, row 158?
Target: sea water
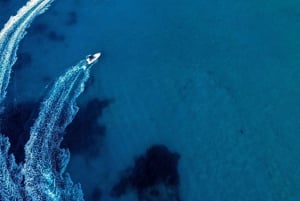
column 217, row 82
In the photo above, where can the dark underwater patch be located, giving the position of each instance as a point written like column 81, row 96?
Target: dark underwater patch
column 38, row 28
column 82, row 135
column 96, row 195
column 72, row 18
column 43, row 29
column 16, row 122
column 53, row 36
column 5, row 1
column 153, row 177
column 24, row 59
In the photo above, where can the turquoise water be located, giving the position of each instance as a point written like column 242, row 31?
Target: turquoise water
column 216, row 82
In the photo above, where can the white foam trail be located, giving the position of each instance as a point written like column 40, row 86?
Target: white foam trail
column 45, row 161
column 11, row 35
column 10, row 176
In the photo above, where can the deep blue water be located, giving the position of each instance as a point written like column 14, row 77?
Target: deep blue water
column 215, row 82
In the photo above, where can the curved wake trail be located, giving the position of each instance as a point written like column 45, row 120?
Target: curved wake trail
column 45, row 161
column 42, row 177
column 11, row 35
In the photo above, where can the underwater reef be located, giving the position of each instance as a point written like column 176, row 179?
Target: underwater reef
column 42, row 176
column 154, row 176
